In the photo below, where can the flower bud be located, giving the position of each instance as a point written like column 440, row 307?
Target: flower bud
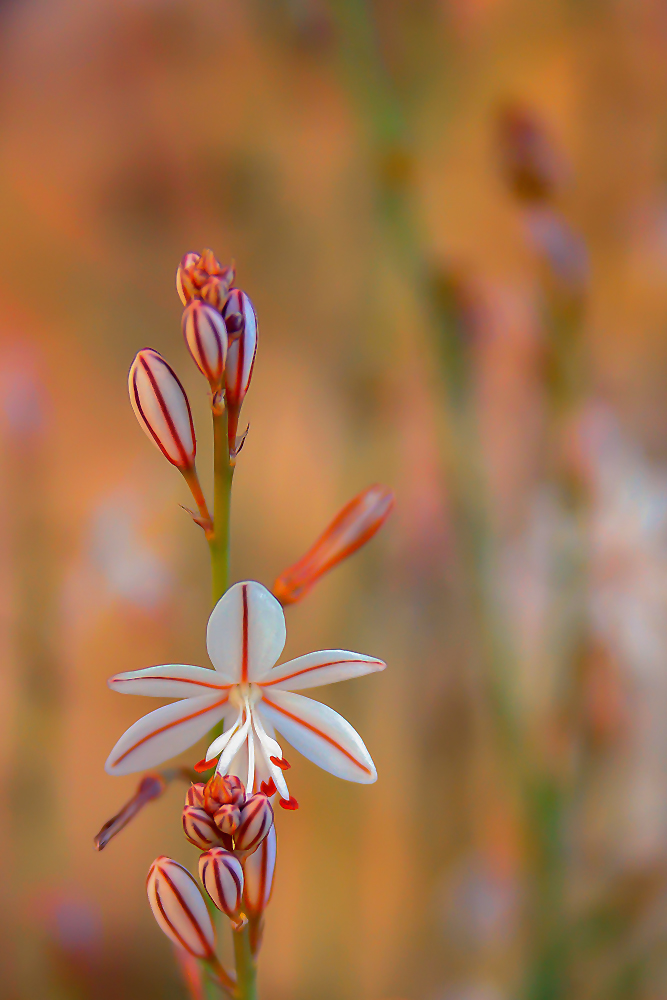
column 256, row 821
column 221, row 790
column 242, row 336
column 228, row 818
column 161, row 406
column 258, row 870
column 352, row 527
column 214, row 291
column 222, row 876
column 184, row 285
column 195, row 795
column 150, row 787
column 200, row 828
column 179, row 907
column 206, row 336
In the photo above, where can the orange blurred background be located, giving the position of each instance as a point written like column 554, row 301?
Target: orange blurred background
column 494, row 348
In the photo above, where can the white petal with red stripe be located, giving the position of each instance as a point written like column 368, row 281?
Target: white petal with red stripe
column 169, row 680
column 179, row 907
column 161, row 407
column 246, row 632
column 319, row 733
column 165, row 732
column 328, row 666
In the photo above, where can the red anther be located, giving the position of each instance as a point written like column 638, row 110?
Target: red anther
column 289, row 803
column 280, row 762
column 204, row 765
column 268, row 788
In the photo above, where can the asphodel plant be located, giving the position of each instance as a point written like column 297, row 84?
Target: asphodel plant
column 246, row 697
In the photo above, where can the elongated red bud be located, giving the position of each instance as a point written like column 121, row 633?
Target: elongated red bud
column 258, row 870
column 206, row 336
column 241, row 351
column 179, row 908
column 256, row 821
column 200, row 829
column 228, row 818
column 161, row 406
column 351, row 528
column 222, row 876
column 195, row 795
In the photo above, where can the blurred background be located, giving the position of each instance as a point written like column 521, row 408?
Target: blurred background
column 451, row 216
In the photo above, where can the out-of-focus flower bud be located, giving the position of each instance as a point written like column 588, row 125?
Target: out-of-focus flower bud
column 194, row 276
column 200, row 828
column 228, row 818
column 221, row 790
column 534, row 169
column 242, row 334
column 184, row 285
column 150, row 787
column 161, row 406
column 214, row 291
column 352, row 527
column 258, row 869
column 179, row 908
column 222, row 876
column 206, row 336
column 195, row 795
column 256, row 821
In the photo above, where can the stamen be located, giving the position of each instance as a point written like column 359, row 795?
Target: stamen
column 280, row 762
column 268, row 788
column 204, row 765
column 289, row 803
column 234, row 745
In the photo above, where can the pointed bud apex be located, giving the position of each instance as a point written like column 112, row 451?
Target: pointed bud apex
column 184, row 286
column 161, row 406
column 179, row 908
column 206, row 336
column 195, row 795
column 221, row 790
column 240, row 357
column 258, row 870
column 228, row 818
column 222, row 876
column 352, row 527
column 256, row 821
column 200, row 829
column 209, row 263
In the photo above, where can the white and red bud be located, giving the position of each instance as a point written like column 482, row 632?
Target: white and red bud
column 194, row 275
column 206, row 336
column 258, row 871
column 222, row 876
column 161, row 406
column 195, row 795
column 242, row 347
column 179, row 908
column 228, row 818
column 256, row 821
column 221, row 790
column 200, row 828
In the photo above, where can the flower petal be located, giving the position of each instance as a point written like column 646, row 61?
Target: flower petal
column 320, row 734
column 246, row 632
column 165, row 732
column 314, row 669
column 170, row 680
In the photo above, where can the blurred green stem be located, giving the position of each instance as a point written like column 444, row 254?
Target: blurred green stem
column 246, row 969
column 223, row 474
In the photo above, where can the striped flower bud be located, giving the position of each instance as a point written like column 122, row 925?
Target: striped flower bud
column 214, row 291
column 161, row 406
column 222, row 876
column 184, row 284
column 222, row 789
column 256, row 821
column 228, row 818
column 195, row 795
column 179, row 908
column 258, row 871
column 242, row 333
column 351, row 528
column 200, row 828
column 206, row 336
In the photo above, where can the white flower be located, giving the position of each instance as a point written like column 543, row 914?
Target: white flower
column 245, row 636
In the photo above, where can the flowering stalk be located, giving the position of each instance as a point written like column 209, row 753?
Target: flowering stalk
column 223, row 473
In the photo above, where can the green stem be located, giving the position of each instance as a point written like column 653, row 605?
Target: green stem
column 223, row 474
column 246, row 970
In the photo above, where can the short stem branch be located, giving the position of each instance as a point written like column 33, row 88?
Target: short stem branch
column 192, row 479
column 246, row 970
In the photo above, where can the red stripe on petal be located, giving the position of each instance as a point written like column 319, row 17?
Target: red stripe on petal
column 318, row 732
column 170, row 725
